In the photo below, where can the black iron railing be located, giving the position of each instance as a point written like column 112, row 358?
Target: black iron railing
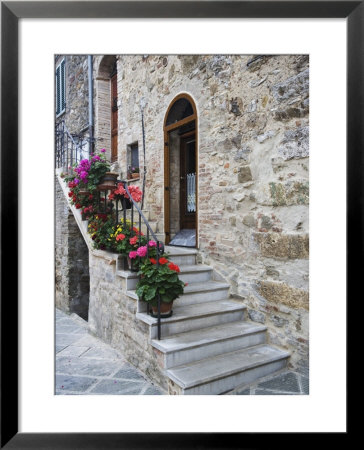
column 70, row 148
column 122, row 205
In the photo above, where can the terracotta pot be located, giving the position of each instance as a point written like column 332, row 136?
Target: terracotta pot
column 166, row 310
column 108, row 181
column 84, row 192
column 135, row 175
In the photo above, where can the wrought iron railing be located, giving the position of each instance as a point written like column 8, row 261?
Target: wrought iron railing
column 132, row 206
column 70, row 148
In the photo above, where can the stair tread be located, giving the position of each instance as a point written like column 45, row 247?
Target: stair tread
column 204, row 336
column 179, row 251
column 196, row 310
column 209, row 369
column 195, row 268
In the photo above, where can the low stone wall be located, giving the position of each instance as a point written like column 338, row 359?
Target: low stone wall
column 112, row 316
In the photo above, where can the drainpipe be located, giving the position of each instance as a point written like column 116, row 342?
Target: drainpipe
column 90, row 104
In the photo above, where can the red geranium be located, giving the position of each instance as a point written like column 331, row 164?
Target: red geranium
column 163, row 261
column 174, row 267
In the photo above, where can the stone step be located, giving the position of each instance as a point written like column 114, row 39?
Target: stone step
column 223, row 373
column 195, row 345
column 194, row 293
column 195, row 317
column 181, row 256
column 196, row 273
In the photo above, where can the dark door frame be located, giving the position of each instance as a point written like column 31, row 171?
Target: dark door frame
column 166, row 130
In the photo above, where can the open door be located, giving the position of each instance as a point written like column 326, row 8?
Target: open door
column 180, row 172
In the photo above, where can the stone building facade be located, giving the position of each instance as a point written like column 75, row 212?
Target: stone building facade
column 249, row 141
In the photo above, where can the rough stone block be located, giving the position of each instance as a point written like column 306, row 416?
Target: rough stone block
column 244, row 174
column 295, row 144
column 289, row 193
column 292, row 87
column 288, row 246
column 282, row 293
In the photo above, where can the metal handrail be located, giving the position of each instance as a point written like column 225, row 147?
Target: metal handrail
column 68, row 151
column 160, row 245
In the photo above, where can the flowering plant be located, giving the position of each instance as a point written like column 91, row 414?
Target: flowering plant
column 85, row 177
column 159, row 279
column 120, row 192
column 127, row 238
column 134, row 170
column 100, row 227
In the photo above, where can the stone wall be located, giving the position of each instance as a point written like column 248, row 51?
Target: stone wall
column 71, row 261
column 113, row 317
column 253, row 148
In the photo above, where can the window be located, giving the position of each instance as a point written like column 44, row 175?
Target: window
column 60, row 88
column 133, row 159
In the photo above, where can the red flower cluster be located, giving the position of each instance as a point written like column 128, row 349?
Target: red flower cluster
column 135, row 192
column 165, row 261
column 133, row 240
column 174, row 267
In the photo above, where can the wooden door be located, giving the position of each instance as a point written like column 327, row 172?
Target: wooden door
column 188, row 202
column 114, row 118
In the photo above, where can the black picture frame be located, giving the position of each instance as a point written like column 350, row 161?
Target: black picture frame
column 11, row 12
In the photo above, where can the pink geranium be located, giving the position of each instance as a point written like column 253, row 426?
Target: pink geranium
column 152, row 244
column 142, row 251
column 133, row 255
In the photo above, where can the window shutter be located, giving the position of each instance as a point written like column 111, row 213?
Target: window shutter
column 63, row 86
column 58, row 91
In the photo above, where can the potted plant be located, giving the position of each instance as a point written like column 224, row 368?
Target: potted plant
column 134, row 171
column 159, row 279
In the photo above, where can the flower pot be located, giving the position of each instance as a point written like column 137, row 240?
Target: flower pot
column 135, row 175
column 84, row 192
column 127, row 203
column 129, row 264
column 108, row 181
column 166, row 310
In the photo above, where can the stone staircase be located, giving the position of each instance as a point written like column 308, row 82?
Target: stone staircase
column 207, row 346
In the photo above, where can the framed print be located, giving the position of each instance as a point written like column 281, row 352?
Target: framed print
column 140, row 48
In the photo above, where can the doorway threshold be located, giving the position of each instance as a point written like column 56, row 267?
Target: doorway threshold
column 184, row 238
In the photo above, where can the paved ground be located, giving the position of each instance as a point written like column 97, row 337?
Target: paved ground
column 87, row 366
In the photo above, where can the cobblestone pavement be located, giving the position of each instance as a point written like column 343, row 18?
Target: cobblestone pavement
column 87, row 366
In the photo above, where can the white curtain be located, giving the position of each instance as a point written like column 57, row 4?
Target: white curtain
column 191, row 192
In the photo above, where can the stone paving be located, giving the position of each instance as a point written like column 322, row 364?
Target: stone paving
column 285, row 383
column 87, row 366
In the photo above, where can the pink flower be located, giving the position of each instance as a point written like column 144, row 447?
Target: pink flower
column 142, row 251
column 133, row 255
column 152, row 244
column 102, row 150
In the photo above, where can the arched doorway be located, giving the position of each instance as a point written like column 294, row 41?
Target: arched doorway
column 180, row 172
